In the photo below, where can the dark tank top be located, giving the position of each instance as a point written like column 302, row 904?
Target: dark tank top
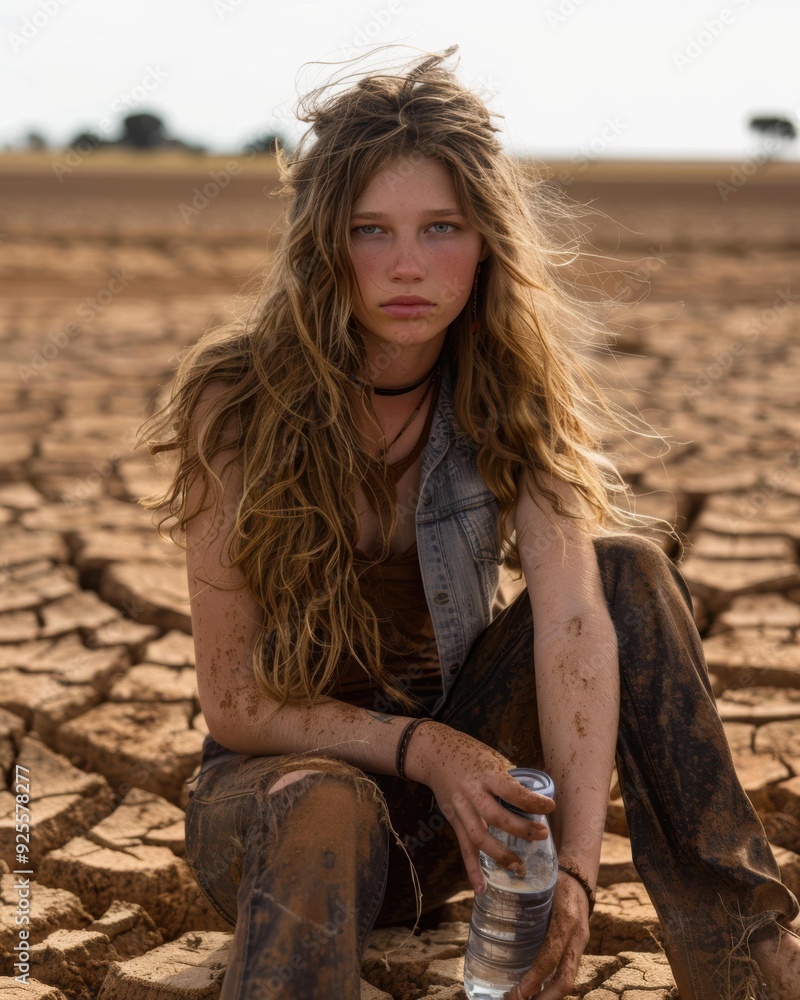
column 395, row 589
column 408, row 644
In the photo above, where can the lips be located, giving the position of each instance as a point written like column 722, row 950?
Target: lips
column 408, row 300
column 407, row 307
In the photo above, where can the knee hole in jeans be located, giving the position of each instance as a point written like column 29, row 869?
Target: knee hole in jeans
column 366, row 792
column 290, row 777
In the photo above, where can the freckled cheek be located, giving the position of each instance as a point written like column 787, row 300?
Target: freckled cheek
column 455, row 273
column 368, row 268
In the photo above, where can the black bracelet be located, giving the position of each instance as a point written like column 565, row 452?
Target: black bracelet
column 582, row 881
column 402, row 746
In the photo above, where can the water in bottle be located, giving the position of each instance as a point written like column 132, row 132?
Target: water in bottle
column 510, row 918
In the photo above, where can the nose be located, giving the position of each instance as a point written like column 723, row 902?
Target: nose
column 407, row 264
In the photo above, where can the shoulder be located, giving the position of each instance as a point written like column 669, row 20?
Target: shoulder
column 216, row 412
column 213, row 449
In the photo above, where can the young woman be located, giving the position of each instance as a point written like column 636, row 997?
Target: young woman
column 402, row 416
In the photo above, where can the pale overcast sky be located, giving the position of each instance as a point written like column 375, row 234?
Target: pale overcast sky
column 617, row 78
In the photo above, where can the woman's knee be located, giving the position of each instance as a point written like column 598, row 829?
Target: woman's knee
column 635, row 558
column 330, row 782
column 637, row 576
column 632, row 551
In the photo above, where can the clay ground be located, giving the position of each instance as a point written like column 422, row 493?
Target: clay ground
column 105, row 281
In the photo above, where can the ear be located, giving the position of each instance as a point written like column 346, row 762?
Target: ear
column 485, row 251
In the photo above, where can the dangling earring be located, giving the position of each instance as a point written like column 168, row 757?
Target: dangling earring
column 475, row 327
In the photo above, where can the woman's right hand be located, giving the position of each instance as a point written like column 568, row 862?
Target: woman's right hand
column 465, row 776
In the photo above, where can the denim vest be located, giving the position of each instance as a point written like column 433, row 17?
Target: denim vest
column 456, row 519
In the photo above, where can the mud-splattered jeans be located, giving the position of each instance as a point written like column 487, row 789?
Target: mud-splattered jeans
column 306, row 873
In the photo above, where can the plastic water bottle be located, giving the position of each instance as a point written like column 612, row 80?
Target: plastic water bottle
column 510, row 918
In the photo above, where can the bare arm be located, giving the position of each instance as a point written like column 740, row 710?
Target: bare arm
column 577, row 673
column 577, row 686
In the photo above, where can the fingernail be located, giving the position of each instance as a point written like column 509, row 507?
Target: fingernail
column 517, row 869
column 480, row 887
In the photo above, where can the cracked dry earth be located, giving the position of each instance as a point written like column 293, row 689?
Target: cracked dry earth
column 98, row 702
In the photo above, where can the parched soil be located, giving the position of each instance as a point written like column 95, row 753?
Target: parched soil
column 108, row 276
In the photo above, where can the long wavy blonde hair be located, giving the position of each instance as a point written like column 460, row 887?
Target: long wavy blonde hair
column 283, row 375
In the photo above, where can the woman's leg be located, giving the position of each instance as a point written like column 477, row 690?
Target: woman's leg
column 697, row 842
column 297, row 861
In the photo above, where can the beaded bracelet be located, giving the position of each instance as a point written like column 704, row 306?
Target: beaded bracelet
column 582, row 881
column 402, row 746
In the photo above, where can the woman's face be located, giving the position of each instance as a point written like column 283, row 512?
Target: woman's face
column 408, row 237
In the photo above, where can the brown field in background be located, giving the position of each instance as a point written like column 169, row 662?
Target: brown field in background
column 111, row 271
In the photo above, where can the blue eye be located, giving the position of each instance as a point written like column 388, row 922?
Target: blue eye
column 449, row 224
column 359, row 229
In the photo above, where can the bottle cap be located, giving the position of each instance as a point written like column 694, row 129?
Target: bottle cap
column 536, row 781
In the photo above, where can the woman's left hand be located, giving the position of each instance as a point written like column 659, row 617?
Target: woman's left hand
column 561, row 952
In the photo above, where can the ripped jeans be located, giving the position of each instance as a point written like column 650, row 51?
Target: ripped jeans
column 306, row 873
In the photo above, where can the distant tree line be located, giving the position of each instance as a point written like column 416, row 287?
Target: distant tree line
column 146, row 131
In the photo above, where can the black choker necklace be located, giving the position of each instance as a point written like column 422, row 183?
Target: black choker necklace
column 407, row 388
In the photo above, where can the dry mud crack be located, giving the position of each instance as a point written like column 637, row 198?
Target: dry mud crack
column 98, row 699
